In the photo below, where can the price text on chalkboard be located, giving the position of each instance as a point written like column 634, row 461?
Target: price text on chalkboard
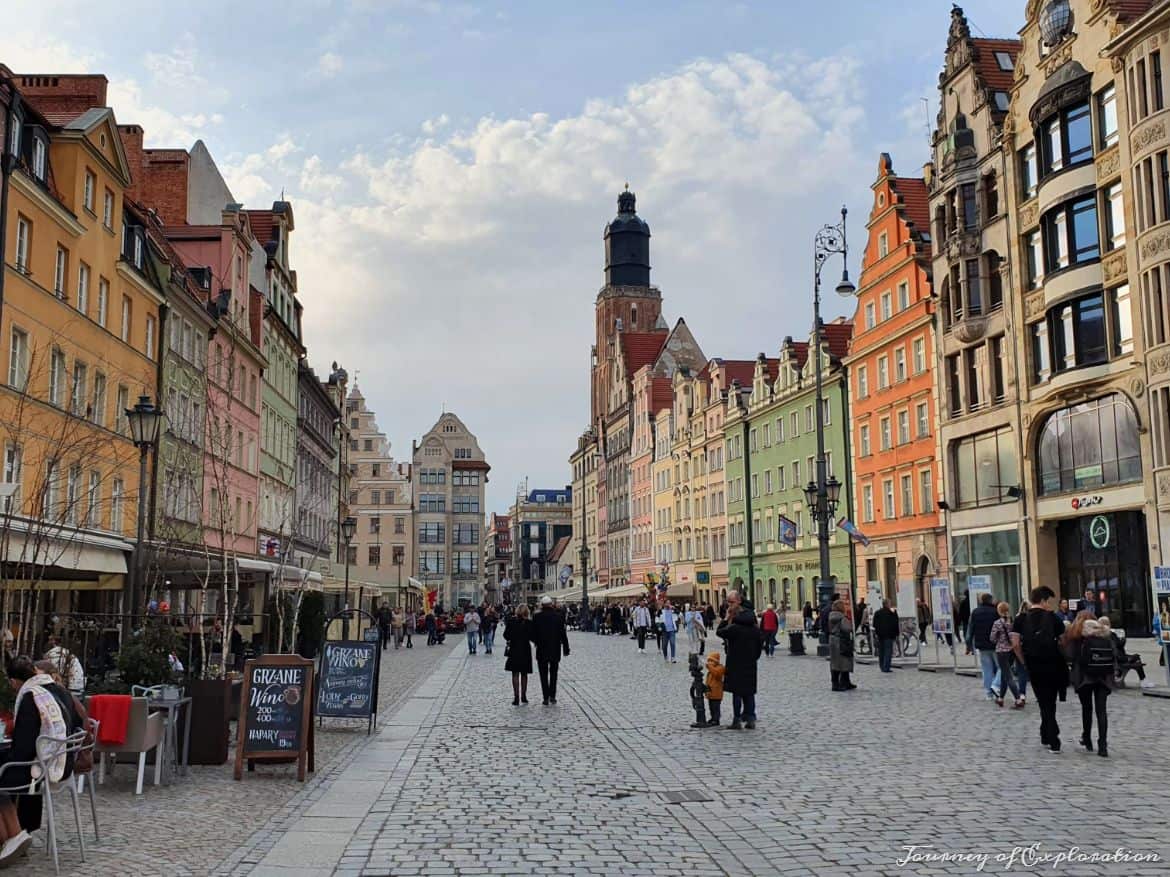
column 348, row 683
column 275, row 711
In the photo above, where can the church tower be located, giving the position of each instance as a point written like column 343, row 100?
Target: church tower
column 627, row 303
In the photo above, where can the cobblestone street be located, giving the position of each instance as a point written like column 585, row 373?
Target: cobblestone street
column 827, row 784
column 207, row 815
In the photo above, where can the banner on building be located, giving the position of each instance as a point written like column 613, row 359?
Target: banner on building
column 432, row 598
column 787, row 531
column 851, row 528
column 907, row 607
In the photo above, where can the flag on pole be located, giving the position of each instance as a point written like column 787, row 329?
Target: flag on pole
column 851, row 528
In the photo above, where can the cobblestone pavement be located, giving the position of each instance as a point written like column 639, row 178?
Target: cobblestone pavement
column 828, row 784
column 191, row 826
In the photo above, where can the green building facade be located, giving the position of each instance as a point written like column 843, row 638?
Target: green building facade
column 770, row 434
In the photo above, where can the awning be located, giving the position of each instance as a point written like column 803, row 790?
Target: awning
column 64, row 548
column 255, row 565
column 107, row 582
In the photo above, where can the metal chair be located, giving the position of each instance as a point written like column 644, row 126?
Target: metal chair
column 48, row 749
column 90, row 745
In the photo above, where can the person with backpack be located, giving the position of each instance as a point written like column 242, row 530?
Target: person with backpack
column 1037, row 645
column 1001, row 641
column 840, row 647
column 1089, row 644
column 979, row 636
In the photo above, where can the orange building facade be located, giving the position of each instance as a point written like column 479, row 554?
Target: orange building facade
column 893, row 394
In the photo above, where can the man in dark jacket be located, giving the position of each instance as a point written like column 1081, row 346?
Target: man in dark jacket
column 745, row 643
column 979, row 637
column 885, row 628
column 550, row 638
column 962, row 615
column 1036, row 640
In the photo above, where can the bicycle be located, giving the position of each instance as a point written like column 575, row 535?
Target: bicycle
column 907, row 643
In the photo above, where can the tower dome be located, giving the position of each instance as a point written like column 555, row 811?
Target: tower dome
column 627, row 245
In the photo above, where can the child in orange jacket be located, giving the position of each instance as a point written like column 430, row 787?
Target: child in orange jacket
column 715, row 672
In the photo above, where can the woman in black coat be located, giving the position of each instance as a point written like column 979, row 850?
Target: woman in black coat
column 518, row 636
column 744, row 643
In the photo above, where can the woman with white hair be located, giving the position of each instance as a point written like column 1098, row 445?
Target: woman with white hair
column 696, row 630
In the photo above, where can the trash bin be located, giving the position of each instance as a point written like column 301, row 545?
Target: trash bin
column 796, row 642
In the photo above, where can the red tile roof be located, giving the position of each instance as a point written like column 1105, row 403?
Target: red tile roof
column 470, row 464
column 800, row 352
column 838, row 335
column 742, row 370
column 641, row 348
column 988, row 68
column 915, row 201
column 262, row 222
column 661, row 394
column 1127, row 10
column 558, row 549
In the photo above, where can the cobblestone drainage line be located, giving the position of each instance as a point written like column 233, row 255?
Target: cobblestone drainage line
column 684, row 796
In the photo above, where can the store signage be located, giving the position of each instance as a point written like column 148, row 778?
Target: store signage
column 787, row 531
column 1085, row 502
column 1099, row 532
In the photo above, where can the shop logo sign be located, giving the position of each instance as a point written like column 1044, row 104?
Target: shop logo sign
column 1099, row 532
column 1084, row 502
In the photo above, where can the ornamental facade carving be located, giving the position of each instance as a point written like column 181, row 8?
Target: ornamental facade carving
column 1148, row 135
column 1154, row 246
column 1057, row 59
column 1158, row 362
column 1029, row 214
column 1163, row 489
column 1113, row 267
column 1034, row 305
column 1108, row 164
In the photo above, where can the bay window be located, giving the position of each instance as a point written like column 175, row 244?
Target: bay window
column 1070, row 234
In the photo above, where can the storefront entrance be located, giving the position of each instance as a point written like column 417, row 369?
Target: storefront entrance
column 1107, row 552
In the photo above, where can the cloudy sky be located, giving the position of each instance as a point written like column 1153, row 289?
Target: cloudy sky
column 452, row 166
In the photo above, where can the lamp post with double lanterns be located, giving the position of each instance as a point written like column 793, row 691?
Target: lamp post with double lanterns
column 823, row 493
column 145, row 423
column 348, row 528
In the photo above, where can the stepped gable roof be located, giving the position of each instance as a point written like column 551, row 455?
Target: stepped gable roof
column 661, row 394
column 915, row 201
column 742, row 370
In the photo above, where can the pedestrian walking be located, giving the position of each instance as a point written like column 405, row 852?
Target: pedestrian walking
column 745, row 644
column 396, row 622
column 807, row 612
column 432, row 629
column 471, row 622
column 385, row 617
column 1001, row 641
column 769, row 625
column 641, row 624
column 551, row 639
column 925, row 619
column 840, row 647
column 410, row 622
column 979, row 637
column 487, row 628
column 714, row 682
column 1089, row 644
column 518, row 653
column 963, row 615
column 669, row 632
column 886, row 628
column 1037, row 646
column 616, row 625
column 696, row 632
column 709, row 616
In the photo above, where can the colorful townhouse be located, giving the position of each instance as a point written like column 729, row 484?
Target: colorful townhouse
column 893, row 403
column 80, row 327
column 771, row 440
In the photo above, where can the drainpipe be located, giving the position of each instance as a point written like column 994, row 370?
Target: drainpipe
column 847, row 432
column 7, row 163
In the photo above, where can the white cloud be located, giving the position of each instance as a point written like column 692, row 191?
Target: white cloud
column 461, row 269
column 329, row 64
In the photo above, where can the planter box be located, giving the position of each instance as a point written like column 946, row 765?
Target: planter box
column 211, row 701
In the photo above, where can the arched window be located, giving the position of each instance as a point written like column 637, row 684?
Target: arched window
column 1092, row 444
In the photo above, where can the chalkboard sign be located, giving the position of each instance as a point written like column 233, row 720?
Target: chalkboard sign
column 276, row 706
column 348, row 685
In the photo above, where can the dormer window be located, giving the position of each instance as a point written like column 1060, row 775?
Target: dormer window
column 1004, row 61
column 39, row 156
column 134, row 245
column 14, row 136
column 1002, row 100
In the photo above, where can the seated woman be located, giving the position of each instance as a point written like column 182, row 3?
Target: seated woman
column 43, row 707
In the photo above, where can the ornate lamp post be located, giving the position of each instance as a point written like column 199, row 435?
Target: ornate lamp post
column 348, row 528
column 823, row 493
column 145, row 423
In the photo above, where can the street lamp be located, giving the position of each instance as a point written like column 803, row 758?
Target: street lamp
column 823, row 493
column 348, row 528
column 145, row 422
column 585, row 625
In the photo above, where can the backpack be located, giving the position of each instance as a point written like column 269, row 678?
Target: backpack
column 1097, row 655
column 1038, row 641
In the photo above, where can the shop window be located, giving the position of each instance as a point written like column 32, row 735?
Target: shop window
column 1092, row 444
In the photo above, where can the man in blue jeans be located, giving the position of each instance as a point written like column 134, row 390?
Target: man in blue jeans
column 979, row 637
column 471, row 626
column 669, row 623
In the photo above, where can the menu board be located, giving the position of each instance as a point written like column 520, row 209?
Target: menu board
column 348, row 683
column 276, row 705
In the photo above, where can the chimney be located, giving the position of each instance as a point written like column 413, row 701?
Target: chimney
column 58, row 93
column 132, row 145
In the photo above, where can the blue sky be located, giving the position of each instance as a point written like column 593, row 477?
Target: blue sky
column 452, row 166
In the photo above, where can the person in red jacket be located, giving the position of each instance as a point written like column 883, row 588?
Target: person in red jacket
column 769, row 624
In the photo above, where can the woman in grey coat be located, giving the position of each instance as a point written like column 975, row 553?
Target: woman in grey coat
column 840, row 647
